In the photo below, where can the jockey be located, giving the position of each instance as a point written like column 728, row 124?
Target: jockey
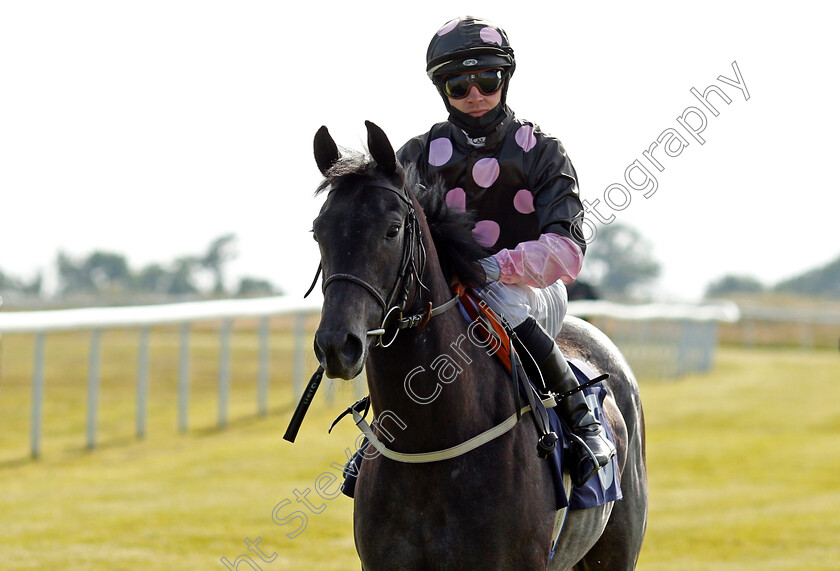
column 522, row 187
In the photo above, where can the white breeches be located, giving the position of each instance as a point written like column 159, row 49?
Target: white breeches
column 515, row 302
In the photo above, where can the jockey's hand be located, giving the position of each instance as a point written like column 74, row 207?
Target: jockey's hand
column 491, row 269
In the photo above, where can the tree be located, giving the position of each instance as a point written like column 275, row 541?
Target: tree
column 8, row 282
column 254, row 287
column 824, row 281
column 218, row 254
column 34, row 287
column 152, row 279
column 619, row 262
column 730, row 284
column 100, row 271
column 71, row 275
column 107, row 271
column 183, row 279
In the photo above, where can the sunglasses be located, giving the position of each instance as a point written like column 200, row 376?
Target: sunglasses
column 488, row 82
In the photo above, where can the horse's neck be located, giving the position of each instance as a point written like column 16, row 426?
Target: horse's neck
column 429, row 378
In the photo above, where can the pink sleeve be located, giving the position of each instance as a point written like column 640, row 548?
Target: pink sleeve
column 542, row 262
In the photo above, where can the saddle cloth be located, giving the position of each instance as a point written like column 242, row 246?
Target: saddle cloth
column 604, row 486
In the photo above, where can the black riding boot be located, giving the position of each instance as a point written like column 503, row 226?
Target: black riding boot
column 574, row 410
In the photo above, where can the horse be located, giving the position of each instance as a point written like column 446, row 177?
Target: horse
column 390, row 252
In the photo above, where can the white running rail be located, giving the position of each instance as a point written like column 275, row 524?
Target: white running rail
column 685, row 342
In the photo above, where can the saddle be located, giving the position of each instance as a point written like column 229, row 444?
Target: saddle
column 494, row 332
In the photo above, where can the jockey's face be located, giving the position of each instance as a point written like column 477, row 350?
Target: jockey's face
column 475, row 103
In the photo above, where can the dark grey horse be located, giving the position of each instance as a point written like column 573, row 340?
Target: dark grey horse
column 434, row 387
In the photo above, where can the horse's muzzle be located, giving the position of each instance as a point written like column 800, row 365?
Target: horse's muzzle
column 340, row 353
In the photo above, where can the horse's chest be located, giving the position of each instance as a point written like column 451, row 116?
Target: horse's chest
column 427, row 537
column 445, row 519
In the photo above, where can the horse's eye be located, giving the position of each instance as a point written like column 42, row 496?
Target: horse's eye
column 393, row 231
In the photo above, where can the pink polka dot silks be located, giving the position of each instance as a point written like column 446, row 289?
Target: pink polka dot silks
column 486, row 232
column 440, row 151
column 525, row 137
column 523, row 201
column 515, row 185
column 485, row 172
column 448, row 27
column 491, row 36
column 457, row 199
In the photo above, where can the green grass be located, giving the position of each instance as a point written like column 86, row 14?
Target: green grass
column 743, row 463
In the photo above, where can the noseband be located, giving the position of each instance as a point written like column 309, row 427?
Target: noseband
column 410, row 270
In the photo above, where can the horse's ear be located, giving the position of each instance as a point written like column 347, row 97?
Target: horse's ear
column 326, row 151
column 380, row 148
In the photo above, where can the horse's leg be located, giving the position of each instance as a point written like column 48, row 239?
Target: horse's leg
column 619, row 545
column 579, row 534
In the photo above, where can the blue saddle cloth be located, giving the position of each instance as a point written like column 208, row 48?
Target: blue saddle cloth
column 604, row 486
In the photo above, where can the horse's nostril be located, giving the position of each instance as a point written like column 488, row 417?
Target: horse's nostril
column 352, row 349
column 339, row 353
column 319, row 353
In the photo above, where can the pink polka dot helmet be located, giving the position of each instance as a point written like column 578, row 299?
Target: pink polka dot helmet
column 468, row 43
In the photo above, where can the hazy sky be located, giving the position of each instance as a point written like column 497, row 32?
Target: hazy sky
column 150, row 128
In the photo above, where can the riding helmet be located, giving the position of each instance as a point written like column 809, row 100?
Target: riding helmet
column 468, row 43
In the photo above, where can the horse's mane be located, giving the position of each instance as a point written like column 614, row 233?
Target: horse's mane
column 458, row 251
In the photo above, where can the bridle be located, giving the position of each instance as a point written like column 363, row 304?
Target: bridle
column 411, row 268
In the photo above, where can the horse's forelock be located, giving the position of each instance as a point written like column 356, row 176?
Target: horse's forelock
column 351, row 167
